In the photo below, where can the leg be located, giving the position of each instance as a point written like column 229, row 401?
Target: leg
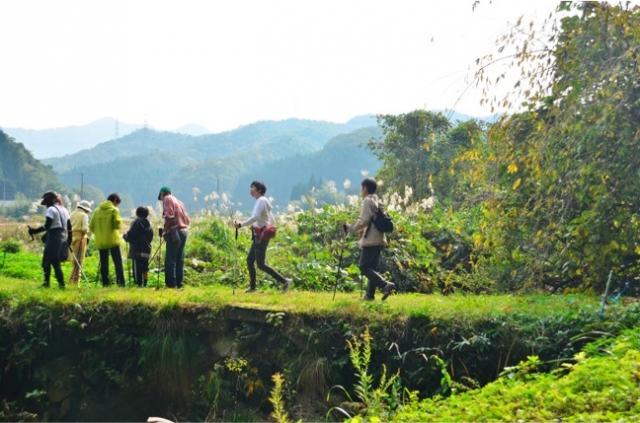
column 137, row 273
column 144, row 271
column 261, row 258
column 170, row 262
column 180, row 259
column 46, row 270
column 368, row 264
column 57, row 268
column 251, row 264
column 104, row 267
column 116, row 256
column 75, row 252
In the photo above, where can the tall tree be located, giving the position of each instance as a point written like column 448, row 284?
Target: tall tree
column 407, row 150
column 568, row 192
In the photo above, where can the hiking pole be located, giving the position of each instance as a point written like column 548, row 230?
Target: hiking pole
column 342, row 244
column 235, row 263
column 159, row 257
column 75, row 259
column 603, row 303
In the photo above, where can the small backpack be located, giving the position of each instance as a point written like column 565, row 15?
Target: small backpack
column 382, row 221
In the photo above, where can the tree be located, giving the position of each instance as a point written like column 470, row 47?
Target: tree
column 407, row 150
column 567, row 191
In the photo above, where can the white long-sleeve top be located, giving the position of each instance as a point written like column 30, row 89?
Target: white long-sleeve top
column 262, row 215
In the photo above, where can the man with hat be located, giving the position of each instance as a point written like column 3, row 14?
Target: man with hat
column 57, row 227
column 176, row 223
column 80, row 232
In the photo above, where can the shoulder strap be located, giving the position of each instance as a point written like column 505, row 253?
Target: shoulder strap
column 62, row 226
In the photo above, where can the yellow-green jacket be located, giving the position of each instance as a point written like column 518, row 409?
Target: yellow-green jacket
column 105, row 226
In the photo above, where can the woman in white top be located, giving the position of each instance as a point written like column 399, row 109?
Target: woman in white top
column 56, row 246
column 260, row 218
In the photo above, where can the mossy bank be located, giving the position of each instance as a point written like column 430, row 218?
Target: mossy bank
column 94, row 354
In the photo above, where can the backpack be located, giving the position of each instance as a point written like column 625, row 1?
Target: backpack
column 382, row 221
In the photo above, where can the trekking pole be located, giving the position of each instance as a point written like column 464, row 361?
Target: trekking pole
column 159, row 258
column 75, row 259
column 603, row 303
column 343, row 243
column 235, row 263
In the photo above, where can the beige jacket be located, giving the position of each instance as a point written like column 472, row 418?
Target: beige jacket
column 369, row 235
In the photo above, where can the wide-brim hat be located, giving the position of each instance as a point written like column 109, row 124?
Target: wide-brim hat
column 48, row 196
column 164, row 190
column 85, row 205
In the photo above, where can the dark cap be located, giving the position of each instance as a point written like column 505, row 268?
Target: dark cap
column 164, row 190
column 48, row 197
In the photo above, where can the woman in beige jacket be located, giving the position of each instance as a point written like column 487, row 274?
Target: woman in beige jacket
column 372, row 241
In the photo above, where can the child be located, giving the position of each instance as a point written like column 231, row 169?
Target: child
column 139, row 237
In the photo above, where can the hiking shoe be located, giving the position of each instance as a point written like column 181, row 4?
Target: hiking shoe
column 286, row 285
column 366, row 298
column 387, row 290
column 44, row 285
column 250, row 290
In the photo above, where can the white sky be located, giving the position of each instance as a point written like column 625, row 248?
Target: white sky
column 226, row 63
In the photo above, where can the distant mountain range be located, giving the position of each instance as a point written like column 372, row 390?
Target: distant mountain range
column 288, row 155
column 56, row 142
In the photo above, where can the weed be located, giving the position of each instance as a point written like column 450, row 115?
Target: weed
column 375, row 401
column 276, row 399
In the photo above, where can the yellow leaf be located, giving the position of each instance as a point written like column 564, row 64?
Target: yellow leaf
column 517, row 183
column 512, row 168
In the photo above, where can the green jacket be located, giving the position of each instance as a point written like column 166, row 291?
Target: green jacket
column 105, row 226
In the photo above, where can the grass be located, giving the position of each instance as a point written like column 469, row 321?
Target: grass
column 436, row 307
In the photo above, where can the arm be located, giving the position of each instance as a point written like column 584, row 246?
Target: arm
column 258, row 209
column 366, row 216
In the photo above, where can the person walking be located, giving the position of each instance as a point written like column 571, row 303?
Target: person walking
column 261, row 217
column 139, row 237
column 371, row 242
column 176, row 223
column 80, row 232
column 57, row 230
column 105, row 226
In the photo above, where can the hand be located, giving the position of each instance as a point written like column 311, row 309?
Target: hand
column 236, row 225
column 345, row 228
column 160, row 231
column 31, row 231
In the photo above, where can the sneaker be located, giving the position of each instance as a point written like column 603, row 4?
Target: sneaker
column 286, row 285
column 367, row 298
column 250, row 290
column 387, row 290
column 44, row 285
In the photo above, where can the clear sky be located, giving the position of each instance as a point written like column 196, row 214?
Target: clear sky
column 226, row 63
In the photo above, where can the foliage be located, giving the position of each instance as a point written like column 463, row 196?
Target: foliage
column 407, row 149
column 276, row 399
column 11, row 245
column 375, row 401
column 21, row 173
column 564, row 207
column 601, row 385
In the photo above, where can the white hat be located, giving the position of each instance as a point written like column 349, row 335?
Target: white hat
column 85, row 205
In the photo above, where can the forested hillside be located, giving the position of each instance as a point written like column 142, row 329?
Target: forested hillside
column 21, row 174
column 138, row 164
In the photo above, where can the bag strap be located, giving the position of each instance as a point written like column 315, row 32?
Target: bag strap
column 62, row 226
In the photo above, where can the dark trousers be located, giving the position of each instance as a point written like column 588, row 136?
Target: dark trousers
column 369, row 258
column 258, row 253
column 116, row 256
column 174, row 260
column 141, row 271
column 51, row 256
